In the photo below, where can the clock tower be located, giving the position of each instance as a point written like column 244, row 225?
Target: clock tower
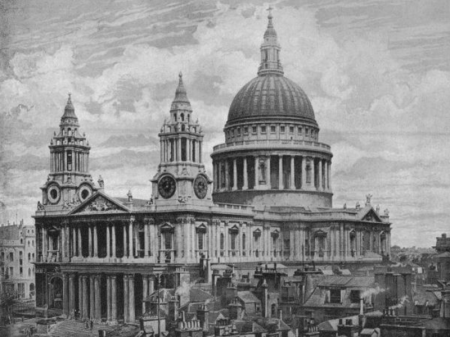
column 181, row 177
column 69, row 182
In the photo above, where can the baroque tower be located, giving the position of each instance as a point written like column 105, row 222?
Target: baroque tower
column 69, row 182
column 181, row 177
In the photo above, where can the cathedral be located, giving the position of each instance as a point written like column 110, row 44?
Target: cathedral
column 269, row 200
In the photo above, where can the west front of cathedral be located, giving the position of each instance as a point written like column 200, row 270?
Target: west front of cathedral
column 269, row 200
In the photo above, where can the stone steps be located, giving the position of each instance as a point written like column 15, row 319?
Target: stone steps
column 71, row 328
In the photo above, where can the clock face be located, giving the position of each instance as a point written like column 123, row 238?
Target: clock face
column 166, row 186
column 53, row 194
column 200, row 186
column 84, row 192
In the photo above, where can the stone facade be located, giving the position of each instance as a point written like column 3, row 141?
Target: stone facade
column 103, row 256
column 17, row 255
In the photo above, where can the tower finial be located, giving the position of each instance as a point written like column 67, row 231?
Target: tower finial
column 270, row 24
column 69, row 100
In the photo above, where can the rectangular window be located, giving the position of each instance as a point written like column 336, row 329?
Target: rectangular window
column 238, row 131
column 11, row 256
column 21, row 271
column 299, row 130
column 254, row 129
column 246, row 130
column 307, row 132
column 291, row 129
column 273, row 129
column 69, row 160
column 354, row 296
column 335, row 296
column 11, row 271
column 200, row 241
column 263, row 129
column 282, row 129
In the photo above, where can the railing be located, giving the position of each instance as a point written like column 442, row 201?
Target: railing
column 272, row 142
column 52, row 256
column 166, row 255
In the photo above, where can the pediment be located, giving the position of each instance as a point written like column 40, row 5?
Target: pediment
column 371, row 215
column 100, row 203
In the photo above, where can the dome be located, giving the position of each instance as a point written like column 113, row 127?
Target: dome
column 271, row 96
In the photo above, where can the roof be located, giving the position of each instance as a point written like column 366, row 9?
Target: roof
column 346, row 281
column 271, row 96
column 247, row 297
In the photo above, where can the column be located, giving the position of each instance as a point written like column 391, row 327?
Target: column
column 108, row 298
column 303, row 173
column 126, row 297
column 292, row 180
column 114, row 244
column 45, row 243
column 80, row 251
column 90, row 246
column 144, row 291
column 113, row 298
column 189, row 149
column 187, row 242
column 245, row 186
column 108, row 241
column 65, row 295
column 268, row 173
column 74, row 241
column 95, row 241
column 71, row 295
column 179, row 149
column 329, row 175
column 98, row 310
column 234, row 174
column 80, row 296
column 130, row 239
column 124, row 240
column 219, row 174
column 146, row 240
column 63, row 242
column 136, row 241
column 227, row 175
column 325, row 176
column 131, row 294
column 292, row 244
column 151, row 285
column 313, row 176
column 179, row 240
column 320, row 187
column 85, row 298
column 92, row 296
column 280, row 172
column 256, row 172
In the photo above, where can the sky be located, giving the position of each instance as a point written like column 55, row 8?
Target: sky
column 376, row 71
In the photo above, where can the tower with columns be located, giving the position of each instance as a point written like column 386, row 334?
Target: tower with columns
column 272, row 154
column 181, row 176
column 69, row 181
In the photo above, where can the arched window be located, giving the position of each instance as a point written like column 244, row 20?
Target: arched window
column 21, row 241
column 182, row 117
column 243, row 241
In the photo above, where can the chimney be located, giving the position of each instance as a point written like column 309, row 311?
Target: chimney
column 203, row 317
column 280, row 314
column 361, row 306
column 265, row 299
column 235, row 309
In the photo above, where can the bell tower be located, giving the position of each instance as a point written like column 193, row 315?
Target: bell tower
column 181, row 177
column 69, row 181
